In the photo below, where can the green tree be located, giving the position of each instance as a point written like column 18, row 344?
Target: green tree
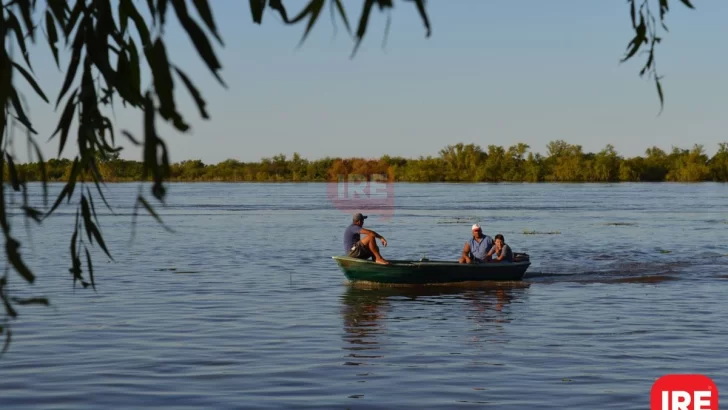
column 106, row 56
column 655, row 166
column 606, row 165
column 719, row 163
column 688, row 165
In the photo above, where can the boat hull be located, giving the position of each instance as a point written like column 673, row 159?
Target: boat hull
column 425, row 272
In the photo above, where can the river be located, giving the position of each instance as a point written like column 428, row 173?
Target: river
column 243, row 307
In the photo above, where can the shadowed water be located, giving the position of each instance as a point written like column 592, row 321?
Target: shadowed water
column 243, row 306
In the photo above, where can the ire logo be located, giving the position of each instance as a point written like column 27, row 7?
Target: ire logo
column 684, row 392
column 352, row 193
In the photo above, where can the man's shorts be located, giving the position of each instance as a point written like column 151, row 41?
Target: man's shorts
column 360, row 251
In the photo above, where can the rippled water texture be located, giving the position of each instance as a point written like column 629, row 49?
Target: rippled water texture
column 243, row 307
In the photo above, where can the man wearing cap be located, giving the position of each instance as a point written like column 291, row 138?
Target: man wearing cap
column 476, row 249
column 366, row 248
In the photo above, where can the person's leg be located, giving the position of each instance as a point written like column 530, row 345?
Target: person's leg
column 361, row 251
column 371, row 243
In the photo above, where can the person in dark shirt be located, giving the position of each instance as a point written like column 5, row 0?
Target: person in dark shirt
column 500, row 252
column 366, row 248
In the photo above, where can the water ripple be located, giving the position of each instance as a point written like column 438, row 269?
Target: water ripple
column 243, row 307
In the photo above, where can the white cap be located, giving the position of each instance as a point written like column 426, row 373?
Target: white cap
column 475, row 227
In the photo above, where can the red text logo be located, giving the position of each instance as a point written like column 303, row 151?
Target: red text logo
column 684, row 392
column 354, row 193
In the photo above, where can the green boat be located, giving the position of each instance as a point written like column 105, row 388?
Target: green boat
column 427, row 271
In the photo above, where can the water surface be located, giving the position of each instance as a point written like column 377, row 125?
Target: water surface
column 242, row 307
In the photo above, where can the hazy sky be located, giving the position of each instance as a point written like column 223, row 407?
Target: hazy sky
column 491, row 73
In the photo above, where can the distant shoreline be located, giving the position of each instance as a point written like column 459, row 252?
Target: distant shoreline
column 460, row 163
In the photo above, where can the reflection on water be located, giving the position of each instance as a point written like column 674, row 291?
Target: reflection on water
column 368, row 309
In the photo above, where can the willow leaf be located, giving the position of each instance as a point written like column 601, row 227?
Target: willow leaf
column 19, row 111
column 342, row 13
column 73, row 64
column 315, row 11
column 11, row 249
column 100, row 240
column 148, row 207
column 86, row 214
column 52, row 37
column 13, row 172
column 31, row 81
column 199, row 39
column 164, row 86
column 43, row 170
column 64, row 124
column 423, row 15
column 363, row 23
column 90, row 267
column 256, row 10
column 194, row 91
column 31, row 301
column 203, row 8
column 13, row 23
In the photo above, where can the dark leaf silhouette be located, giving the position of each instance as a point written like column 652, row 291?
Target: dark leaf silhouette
column 90, row 268
column 52, row 37
column 33, row 213
column 11, row 250
column 73, row 64
column 659, row 90
column 313, row 10
column 20, row 112
column 14, row 181
column 64, row 124
column 31, row 301
column 203, row 8
column 256, row 10
column 131, row 138
column 13, row 23
column 363, row 23
column 199, row 39
column 164, row 86
column 342, row 13
column 194, row 91
column 150, row 209
column 423, row 14
column 31, row 81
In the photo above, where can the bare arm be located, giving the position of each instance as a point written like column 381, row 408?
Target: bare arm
column 466, row 251
column 369, row 232
column 490, row 253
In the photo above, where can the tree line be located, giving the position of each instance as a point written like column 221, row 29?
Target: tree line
column 563, row 162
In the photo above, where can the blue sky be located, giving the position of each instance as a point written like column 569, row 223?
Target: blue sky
column 491, row 73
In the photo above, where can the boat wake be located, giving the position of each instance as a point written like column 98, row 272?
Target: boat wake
column 597, row 270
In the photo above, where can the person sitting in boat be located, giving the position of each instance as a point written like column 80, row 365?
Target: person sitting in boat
column 366, row 248
column 476, row 249
column 500, row 252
